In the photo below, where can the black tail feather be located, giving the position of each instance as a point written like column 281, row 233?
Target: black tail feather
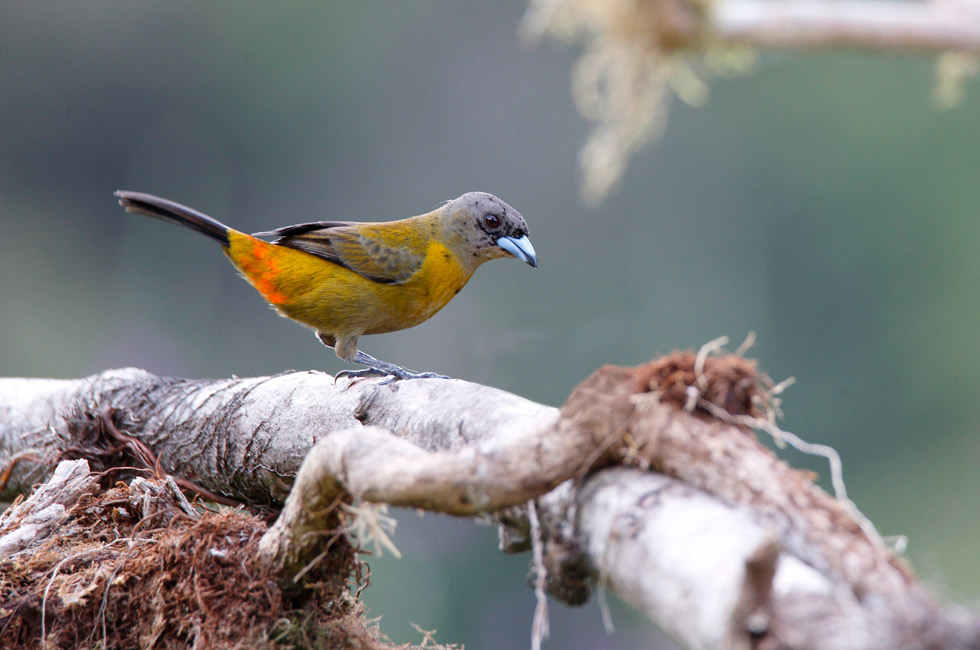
column 154, row 206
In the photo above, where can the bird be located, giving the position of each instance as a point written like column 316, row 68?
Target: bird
column 344, row 279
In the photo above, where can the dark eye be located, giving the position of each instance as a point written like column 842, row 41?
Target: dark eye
column 492, row 220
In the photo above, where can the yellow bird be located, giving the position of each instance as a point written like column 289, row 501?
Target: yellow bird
column 345, row 279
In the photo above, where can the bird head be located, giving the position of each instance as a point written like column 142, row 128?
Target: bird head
column 485, row 228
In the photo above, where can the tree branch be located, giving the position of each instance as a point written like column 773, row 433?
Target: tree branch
column 244, row 438
column 724, row 546
column 881, row 26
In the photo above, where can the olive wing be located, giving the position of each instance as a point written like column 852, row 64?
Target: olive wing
column 381, row 252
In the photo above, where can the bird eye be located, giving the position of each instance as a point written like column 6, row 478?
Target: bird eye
column 492, row 220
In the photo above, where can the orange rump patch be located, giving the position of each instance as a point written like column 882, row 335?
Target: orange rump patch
column 261, row 267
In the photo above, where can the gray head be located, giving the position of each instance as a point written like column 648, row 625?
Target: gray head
column 484, row 228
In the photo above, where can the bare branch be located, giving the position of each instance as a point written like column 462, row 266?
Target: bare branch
column 906, row 27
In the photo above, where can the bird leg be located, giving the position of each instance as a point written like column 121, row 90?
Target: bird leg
column 377, row 367
column 381, row 368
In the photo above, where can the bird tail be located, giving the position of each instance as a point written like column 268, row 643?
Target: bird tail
column 154, row 206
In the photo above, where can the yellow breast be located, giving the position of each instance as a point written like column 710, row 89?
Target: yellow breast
column 436, row 283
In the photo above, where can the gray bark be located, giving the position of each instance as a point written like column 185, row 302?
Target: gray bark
column 725, row 547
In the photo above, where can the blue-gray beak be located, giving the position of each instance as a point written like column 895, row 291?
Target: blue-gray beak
column 519, row 248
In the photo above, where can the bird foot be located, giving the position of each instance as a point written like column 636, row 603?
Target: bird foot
column 390, row 374
column 377, row 367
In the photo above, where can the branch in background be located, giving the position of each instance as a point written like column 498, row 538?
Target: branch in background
column 638, row 53
column 901, row 27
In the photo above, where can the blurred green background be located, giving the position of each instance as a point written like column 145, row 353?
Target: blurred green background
column 821, row 202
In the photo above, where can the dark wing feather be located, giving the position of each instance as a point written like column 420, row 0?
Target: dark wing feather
column 302, row 228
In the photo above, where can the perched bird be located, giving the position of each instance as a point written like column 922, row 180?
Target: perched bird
column 345, row 279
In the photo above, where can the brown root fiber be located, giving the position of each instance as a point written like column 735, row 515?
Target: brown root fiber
column 604, row 404
column 115, row 455
column 690, row 416
column 130, row 569
column 730, row 382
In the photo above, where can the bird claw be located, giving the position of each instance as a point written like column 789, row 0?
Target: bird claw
column 389, row 377
column 360, row 374
column 408, row 374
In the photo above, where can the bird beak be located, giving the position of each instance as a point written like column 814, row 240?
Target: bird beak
column 519, row 248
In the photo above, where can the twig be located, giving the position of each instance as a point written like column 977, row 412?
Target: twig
column 716, row 345
column 143, row 452
column 319, row 558
column 372, row 525
column 539, row 628
column 9, row 469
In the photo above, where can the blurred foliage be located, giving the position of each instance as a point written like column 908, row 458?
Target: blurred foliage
column 821, row 202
